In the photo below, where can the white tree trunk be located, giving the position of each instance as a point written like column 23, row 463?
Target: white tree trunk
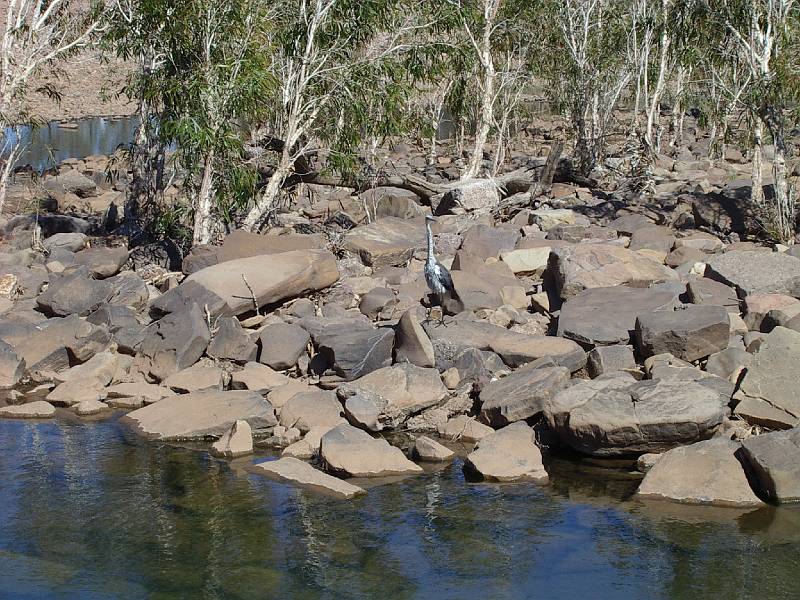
column 202, row 214
column 266, row 201
column 784, row 197
column 486, row 113
column 757, row 193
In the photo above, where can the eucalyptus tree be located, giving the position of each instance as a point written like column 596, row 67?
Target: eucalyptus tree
column 585, row 64
column 765, row 35
column 37, row 34
column 332, row 61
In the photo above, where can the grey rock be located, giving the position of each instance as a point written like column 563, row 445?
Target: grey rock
column 173, row 343
column 607, row 316
column 12, row 367
column 774, row 461
column 355, row 453
column 709, row 292
column 412, row 344
column 128, row 289
column 615, row 415
column 70, row 181
column 353, row 353
column 377, row 300
column 521, row 395
column 201, row 415
column 386, row 242
column 704, row 473
column 757, row 272
column 768, row 393
column 74, row 294
column 729, row 361
column 232, row 342
column 509, row 454
column 311, row 409
column 294, row 471
column 689, row 334
column 102, row 262
column 31, row 410
column 607, row 359
column 429, row 450
column 72, row 242
column 282, row 344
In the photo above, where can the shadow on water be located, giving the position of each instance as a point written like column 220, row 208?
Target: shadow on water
column 88, row 511
column 58, row 142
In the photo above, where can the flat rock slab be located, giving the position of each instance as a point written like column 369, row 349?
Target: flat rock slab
column 32, row 410
column 607, row 316
column 514, row 348
column 616, row 415
column 768, row 394
column 74, row 294
column 295, row 471
column 201, row 415
column 243, row 244
column 690, row 334
column 774, row 461
column 521, row 395
column 509, row 454
column 195, row 378
column 257, row 377
column 465, row 429
column 356, row 453
column 269, row 278
column 703, row 473
column 386, row 242
column 585, row 266
column 757, row 272
column 355, row 352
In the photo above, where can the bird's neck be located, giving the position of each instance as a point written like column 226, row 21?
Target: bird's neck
column 431, row 257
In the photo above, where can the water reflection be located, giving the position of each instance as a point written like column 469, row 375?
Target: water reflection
column 90, row 512
column 50, row 144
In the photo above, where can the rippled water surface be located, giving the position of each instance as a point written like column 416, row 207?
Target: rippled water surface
column 87, row 511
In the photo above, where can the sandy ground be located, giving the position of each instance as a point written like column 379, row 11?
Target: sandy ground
column 88, row 85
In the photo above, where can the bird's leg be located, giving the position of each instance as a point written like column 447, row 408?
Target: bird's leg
column 440, row 297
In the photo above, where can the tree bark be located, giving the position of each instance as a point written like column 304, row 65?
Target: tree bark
column 757, row 191
column 202, row 214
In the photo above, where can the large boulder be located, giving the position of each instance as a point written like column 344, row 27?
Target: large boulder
column 282, row 344
column 584, row 266
column 768, row 393
column 704, row 473
column 429, row 450
column 690, row 334
column 774, row 461
column 607, row 359
column 71, row 182
column 470, row 195
column 74, row 294
column 757, row 272
column 485, row 241
column 521, row 395
column 57, row 343
column 243, row 244
column 509, row 454
column 386, row 242
column 173, row 343
column 257, row 377
column 709, row 292
column 464, row 428
column 201, row 415
column 315, row 408
column 354, row 349
column 607, row 316
column 102, row 262
column 616, row 415
column 299, row 473
column 391, row 394
column 230, row 288
column 386, row 201
column 355, row 453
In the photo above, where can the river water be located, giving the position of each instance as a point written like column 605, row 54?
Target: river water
column 50, row 144
column 90, row 512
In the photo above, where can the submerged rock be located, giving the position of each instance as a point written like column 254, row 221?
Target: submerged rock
column 291, row 470
column 32, row 410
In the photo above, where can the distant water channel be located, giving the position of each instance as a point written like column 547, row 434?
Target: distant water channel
column 55, row 142
column 89, row 512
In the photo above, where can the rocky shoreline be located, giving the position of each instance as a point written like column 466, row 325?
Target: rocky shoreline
column 586, row 322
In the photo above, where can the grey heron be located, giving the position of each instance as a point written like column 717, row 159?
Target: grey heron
column 436, row 274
